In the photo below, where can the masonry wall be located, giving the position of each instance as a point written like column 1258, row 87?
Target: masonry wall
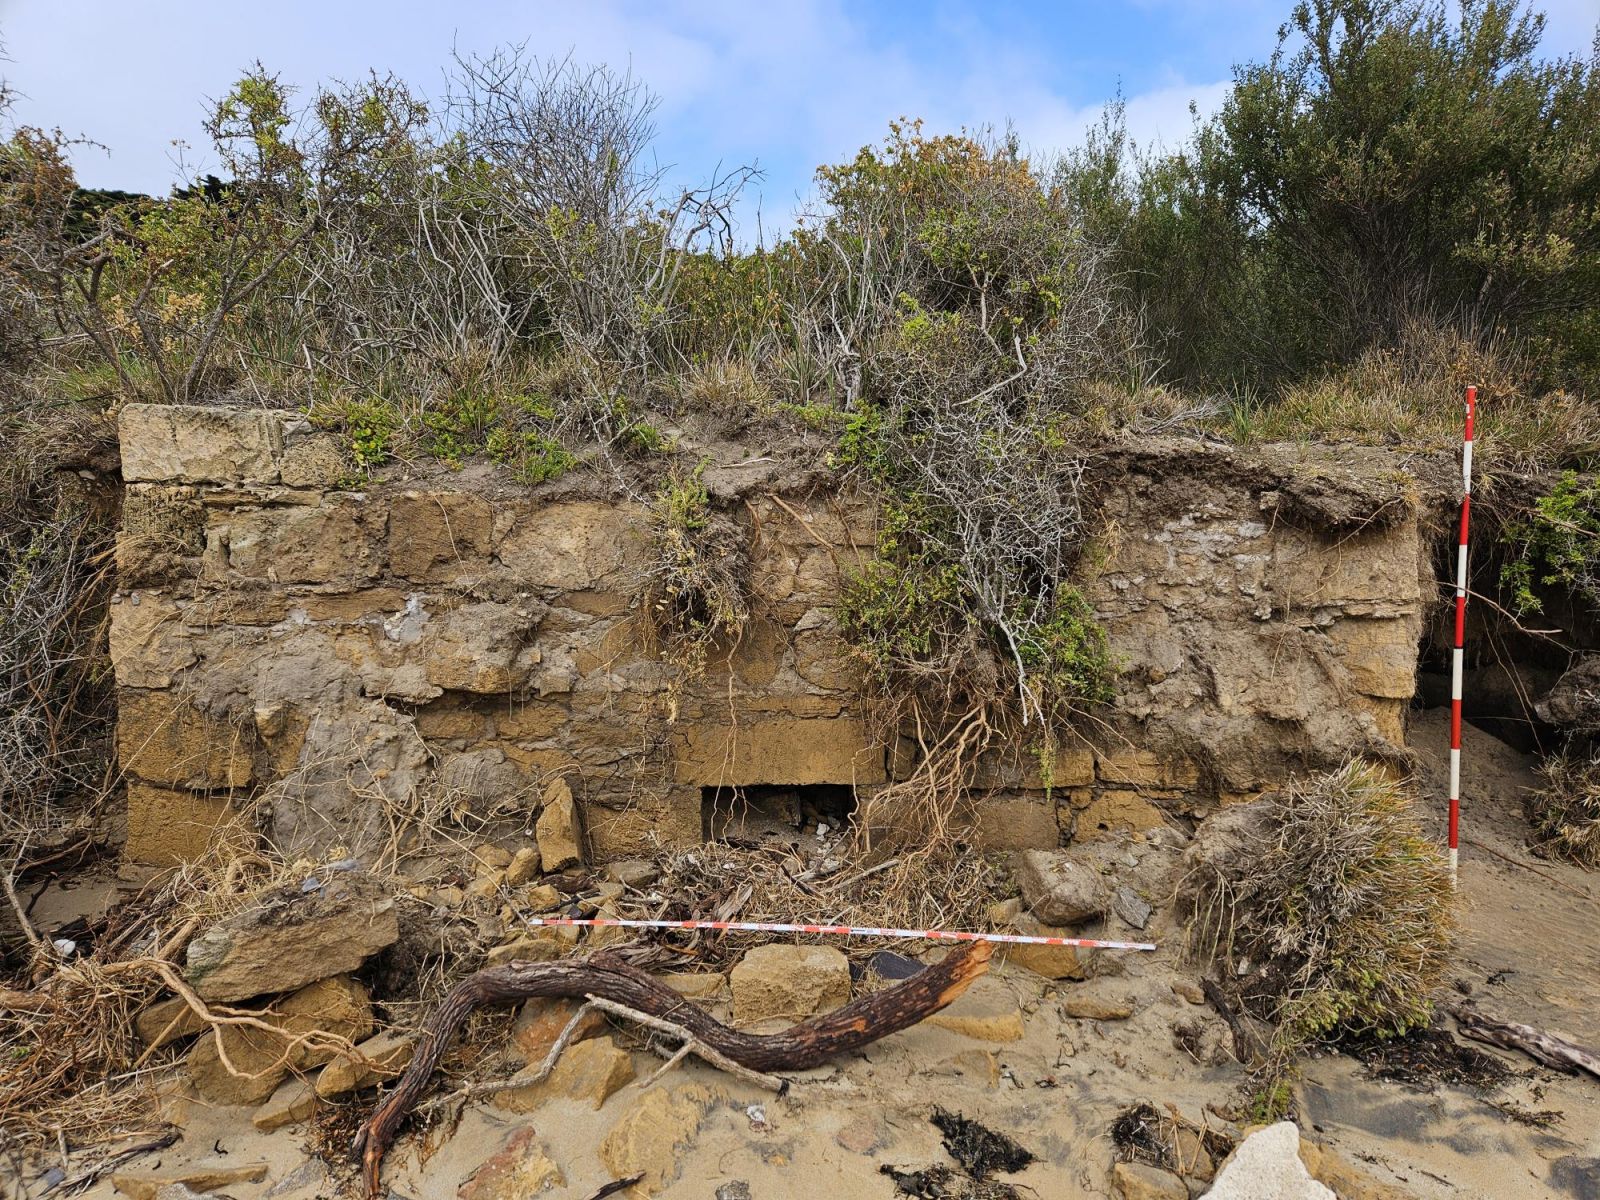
column 321, row 665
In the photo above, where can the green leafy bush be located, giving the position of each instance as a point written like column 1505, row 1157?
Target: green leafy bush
column 1556, row 544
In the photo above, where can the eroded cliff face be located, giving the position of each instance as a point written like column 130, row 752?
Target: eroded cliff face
column 329, row 665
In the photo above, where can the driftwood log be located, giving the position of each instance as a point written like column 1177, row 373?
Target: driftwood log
column 1537, row 1044
column 608, row 977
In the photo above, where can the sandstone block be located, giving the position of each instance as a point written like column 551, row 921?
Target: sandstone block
column 590, row 1073
column 293, row 936
column 434, row 536
column 524, row 865
column 338, row 1007
column 522, row 1167
column 338, row 541
column 1015, row 820
column 1145, row 769
column 147, row 640
column 1051, row 962
column 383, row 1057
column 1117, row 809
column 163, row 738
column 559, row 831
column 1061, row 887
column 293, row 1102
column 482, row 647
column 182, row 443
column 167, row 1021
column 578, row 545
column 200, row 1177
column 1380, row 656
column 654, row 1131
column 788, row 982
column 788, row 750
column 1140, row 1181
column 167, row 827
column 987, row 1011
column 540, row 1022
column 1097, row 1001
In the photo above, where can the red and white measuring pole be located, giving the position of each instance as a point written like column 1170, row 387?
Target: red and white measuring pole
column 1458, row 655
column 936, row 935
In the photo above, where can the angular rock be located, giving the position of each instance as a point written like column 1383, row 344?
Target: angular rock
column 1574, row 701
column 540, row 1022
column 1131, row 907
column 695, row 984
column 788, row 982
column 1267, row 1165
column 524, row 866
column 633, row 872
column 338, row 1007
column 292, row 936
column 191, row 444
column 382, row 1057
column 293, row 1102
column 654, row 1131
column 522, row 1167
column 1140, row 1181
column 1052, row 962
column 167, row 1021
column 203, row 1177
column 1062, row 887
column 986, row 1011
column 590, row 1073
column 559, row 832
column 1097, row 1001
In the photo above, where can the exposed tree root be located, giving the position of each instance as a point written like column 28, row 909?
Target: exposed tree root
column 605, row 977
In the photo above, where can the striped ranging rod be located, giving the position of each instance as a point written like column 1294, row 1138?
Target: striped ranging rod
column 1458, row 655
column 937, row 935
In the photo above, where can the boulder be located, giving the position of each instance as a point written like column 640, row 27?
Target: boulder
column 559, row 832
column 167, row 1021
column 1574, row 701
column 590, row 1073
column 1267, row 1166
column 522, row 1167
column 1062, row 887
column 788, row 982
column 326, row 925
column 338, row 1007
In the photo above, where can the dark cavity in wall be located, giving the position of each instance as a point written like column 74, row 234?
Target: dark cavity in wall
column 775, row 814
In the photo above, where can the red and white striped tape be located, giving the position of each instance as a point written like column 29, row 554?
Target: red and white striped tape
column 1458, row 655
column 937, row 935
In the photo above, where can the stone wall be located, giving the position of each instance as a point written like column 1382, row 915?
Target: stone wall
column 329, row 664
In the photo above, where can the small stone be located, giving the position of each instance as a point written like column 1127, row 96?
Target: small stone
column 1131, row 907
column 382, row 1057
column 1139, row 1181
column 633, row 872
column 590, row 1073
column 1061, row 887
column 522, row 1167
column 486, row 884
column 524, row 866
column 652, row 1134
column 986, row 1011
column 734, row 1189
column 1004, row 912
column 147, row 1185
column 1052, row 962
column 541, row 898
column 788, row 982
column 293, row 1102
column 1189, row 990
column 1091, row 1002
column 861, row 1135
column 1194, row 1162
column 449, row 896
column 492, row 858
column 558, row 830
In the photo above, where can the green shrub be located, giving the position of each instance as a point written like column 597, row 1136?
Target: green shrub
column 1556, row 544
column 1565, row 813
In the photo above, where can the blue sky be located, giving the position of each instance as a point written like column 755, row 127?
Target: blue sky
column 786, row 85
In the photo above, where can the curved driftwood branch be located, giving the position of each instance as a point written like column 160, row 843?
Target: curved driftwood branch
column 607, row 977
column 1547, row 1048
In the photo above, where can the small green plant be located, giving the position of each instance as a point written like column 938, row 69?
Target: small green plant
column 1557, row 544
column 370, row 427
column 532, row 456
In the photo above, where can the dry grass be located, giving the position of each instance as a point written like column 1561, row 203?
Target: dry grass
column 1339, row 915
column 1565, row 813
column 1411, row 395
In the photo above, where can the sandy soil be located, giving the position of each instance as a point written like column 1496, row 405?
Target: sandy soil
column 1530, row 951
